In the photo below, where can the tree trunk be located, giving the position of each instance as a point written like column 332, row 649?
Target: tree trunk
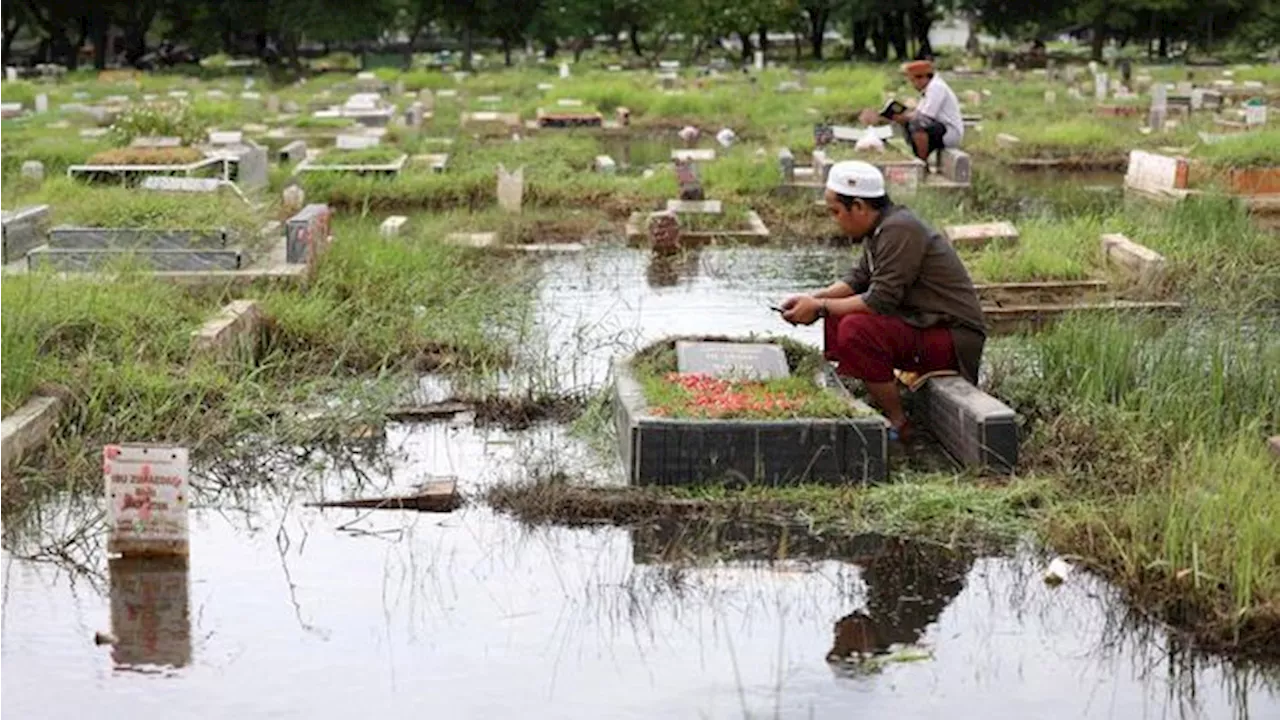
column 633, row 33
column 921, row 21
column 897, row 31
column 860, row 33
column 762, row 41
column 466, row 43
column 880, row 39
column 1163, row 48
column 748, row 50
column 817, row 29
column 11, row 30
column 1099, row 38
column 506, row 51
column 549, row 49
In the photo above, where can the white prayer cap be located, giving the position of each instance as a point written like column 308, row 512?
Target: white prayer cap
column 856, row 178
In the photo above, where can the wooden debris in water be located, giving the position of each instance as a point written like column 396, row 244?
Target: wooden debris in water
column 438, row 496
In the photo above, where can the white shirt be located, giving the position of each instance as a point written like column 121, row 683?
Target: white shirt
column 941, row 104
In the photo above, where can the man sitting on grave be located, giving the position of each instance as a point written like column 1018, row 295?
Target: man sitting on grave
column 909, row 303
column 936, row 122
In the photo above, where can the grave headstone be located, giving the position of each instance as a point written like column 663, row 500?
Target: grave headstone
column 510, row 189
column 689, row 134
column 22, row 230
column 663, row 229
column 33, row 170
column 564, row 71
column 10, row 73
column 251, row 170
column 1197, row 99
column 730, row 360
column 759, row 60
column 414, row 115
column 273, row 104
column 307, row 234
column 823, row 134
column 392, row 226
column 687, row 177
column 623, row 116
column 1155, row 173
column 42, row 103
column 356, row 142
column 293, row 198
column 1255, row 114
column 787, row 163
column 147, row 499
column 1100, row 86
column 957, row 166
column 10, row 109
column 291, row 107
column 225, row 137
column 606, row 165
column 1050, row 97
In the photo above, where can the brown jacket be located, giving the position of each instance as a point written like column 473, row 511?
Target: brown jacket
column 908, row 269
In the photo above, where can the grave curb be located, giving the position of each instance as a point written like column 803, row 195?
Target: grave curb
column 664, row 451
column 231, row 333
column 28, row 429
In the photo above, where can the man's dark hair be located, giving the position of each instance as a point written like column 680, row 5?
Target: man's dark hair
column 876, row 203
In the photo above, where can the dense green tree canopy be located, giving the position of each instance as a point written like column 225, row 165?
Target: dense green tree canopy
column 108, row 32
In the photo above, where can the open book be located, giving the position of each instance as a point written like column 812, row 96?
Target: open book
column 892, row 109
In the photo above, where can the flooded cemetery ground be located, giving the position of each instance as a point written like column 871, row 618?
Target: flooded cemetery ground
column 713, row 613
column 452, row 345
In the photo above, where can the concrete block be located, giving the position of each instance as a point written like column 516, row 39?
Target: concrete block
column 165, row 183
column 974, row 427
column 787, row 163
column 23, row 230
column 980, row 235
column 510, row 189
column 1138, row 261
column 81, row 238
column 473, row 240
column 956, row 165
column 392, row 226
column 605, row 165
column 231, row 334
column 161, row 259
column 27, row 429
column 251, row 168
column 664, row 451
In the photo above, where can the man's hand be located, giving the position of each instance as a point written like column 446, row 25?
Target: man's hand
column 801, row 309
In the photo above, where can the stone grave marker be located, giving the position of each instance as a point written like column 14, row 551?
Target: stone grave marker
column 356, row 142
column 1100, row 86
column 147, row 499
column 414, row 115
column 759, row 60
column 90, row 133
column 307, row 234
column 754, row 361
column 293, row 152
column 823, row 134
column 664, row 232
column 293, row 198
column 392, row 226
column 225, row 137
column 957, row 166
column 291, row 107
column 165, row 183
column 1159, row 106
column 1155, row 173
column 1050, row 97
column 273, row 104
column 33, row 170
column 605, row 165
column 564, row 71
column 251, row 170
column 10, row 73
column 687, row 177
column 1255, row 114
column 42, row 103
column 427, row 98
column 22, row 230
column 510, row 189
column 787, row 163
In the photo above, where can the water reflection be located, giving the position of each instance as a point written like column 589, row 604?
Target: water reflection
column 150, row 612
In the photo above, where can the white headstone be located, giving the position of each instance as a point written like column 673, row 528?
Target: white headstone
column 564, row 71
column 1197, row 99
column 42, row 103
column 251, row 170
column 356, row 142
column 226, row 137
column 391, row 226
column 510, row 189
column 1159, row 96
column 273, row 104
column 33, row 170
column 1152, row 172
column 726, row 137
column 1100, row 86
column 10, row 73
column 759, row 60
column 293, row 198
column 1050, row 97
column 148, row 494
column 606, row 165
column 1255, row 115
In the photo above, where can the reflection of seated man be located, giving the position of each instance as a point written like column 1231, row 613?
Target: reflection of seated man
column 908, row 304
column 908, row 587
column 936, row 122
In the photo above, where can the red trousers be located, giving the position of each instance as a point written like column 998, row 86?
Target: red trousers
column 869, row 346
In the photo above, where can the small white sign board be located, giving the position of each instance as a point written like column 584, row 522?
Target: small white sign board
column 1151, row 172
column 695, row 154
column 1255, row 115
column 1159, row 96
column 148, row 494
column 1100, row 86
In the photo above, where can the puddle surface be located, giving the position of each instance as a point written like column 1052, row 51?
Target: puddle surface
column 286, row 611
column 292, row 612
